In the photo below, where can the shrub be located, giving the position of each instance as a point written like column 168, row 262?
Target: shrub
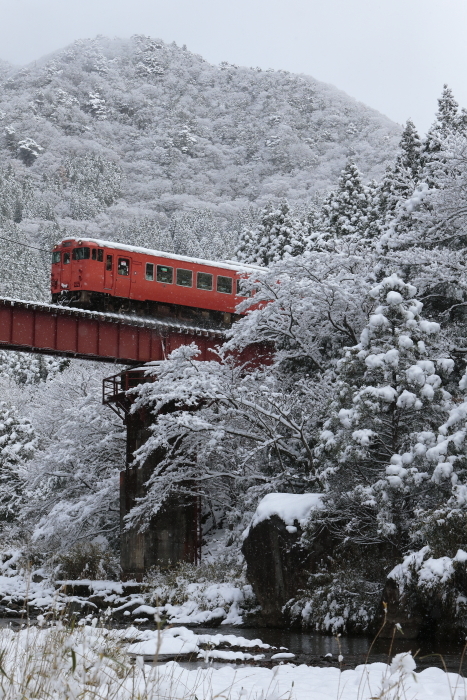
column 88, row 560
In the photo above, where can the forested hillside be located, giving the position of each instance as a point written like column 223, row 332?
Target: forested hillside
column 147, row 143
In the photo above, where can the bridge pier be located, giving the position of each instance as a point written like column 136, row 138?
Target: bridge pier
column 174, row 533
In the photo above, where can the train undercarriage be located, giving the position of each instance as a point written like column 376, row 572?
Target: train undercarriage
column 98, row 301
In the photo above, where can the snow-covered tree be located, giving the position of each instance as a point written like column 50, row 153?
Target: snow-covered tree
column 447, row 123
column 29, row 150
column 26, row 368
column 402, row 178
column 349, row 210
column 72, row 482
column 279, row 234
column 248, row 435
column 18, row 443
column 387, row 389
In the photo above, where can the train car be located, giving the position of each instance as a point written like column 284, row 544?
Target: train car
column 105, row 276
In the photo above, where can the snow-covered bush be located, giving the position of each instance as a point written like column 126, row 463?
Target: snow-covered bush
column 212, row 591
column 425, row 583
column 87, row 560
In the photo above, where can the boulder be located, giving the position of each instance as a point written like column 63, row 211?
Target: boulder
column 278, row 566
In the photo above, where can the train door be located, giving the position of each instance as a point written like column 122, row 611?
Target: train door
column 109, row 272
column 136, row 279
column 123, row 277
column 65, row 277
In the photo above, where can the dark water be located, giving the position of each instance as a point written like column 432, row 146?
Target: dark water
column 311, row 647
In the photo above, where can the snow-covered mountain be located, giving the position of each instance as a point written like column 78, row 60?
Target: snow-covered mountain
column 117, row 136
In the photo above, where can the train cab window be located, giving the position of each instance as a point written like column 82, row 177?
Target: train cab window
column 108, row 263
column 93, row 254
column 56, row 256
column 66, row 258
column 123, row 267
column 150, row 272
column 242, row 292
column 204, row 281
column 224, row 285
column 165, row 274
column 81, row 253
column 100, row 255
column 184, row 278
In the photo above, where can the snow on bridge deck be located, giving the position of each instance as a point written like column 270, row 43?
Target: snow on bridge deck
column 90, row 335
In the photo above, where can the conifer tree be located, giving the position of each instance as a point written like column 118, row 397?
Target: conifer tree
column 279, row 234
column 387, row 389
column 401, row 179
column 348, row 210
column 447, row 122
column 447, row 125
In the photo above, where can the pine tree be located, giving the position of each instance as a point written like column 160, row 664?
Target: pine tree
column 401, row 179
column 278, row 235
column 447, row 125
column 387, row 390
column 447, row 122
column 348, row 210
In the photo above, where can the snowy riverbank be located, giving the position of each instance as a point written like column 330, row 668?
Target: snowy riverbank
column 90, row 662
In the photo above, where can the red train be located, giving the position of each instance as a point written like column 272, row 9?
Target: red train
column 104, row 276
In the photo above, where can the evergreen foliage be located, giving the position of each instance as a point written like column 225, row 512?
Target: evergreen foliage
column 279, row 234
column 387, row 390
column 348, row 211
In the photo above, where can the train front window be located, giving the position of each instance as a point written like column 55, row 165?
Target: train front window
column 224, row 285
column 94, row 254
column 66, row 258
column 204, row 281
column 108, row 263
column 56, row 256
column 150, row 272
column 184, row 278
column 165, row 274
column 100, row 255
column 81, row 253
column 123, row 267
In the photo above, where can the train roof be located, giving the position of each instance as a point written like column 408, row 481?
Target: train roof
column 226, row 264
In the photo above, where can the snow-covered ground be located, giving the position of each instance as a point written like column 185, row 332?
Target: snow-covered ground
column 90, row 663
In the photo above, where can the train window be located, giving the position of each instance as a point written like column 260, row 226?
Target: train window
column 123, row 267
column 184, row 278
column 204, row 281
column 81, row 253
column 66, row 258
column 56, row 256
column 100, row 255
column 94, row 254
column 242, row 292
column 150, row 272
column 165, row 274
column 108, row 264
column 224, row 285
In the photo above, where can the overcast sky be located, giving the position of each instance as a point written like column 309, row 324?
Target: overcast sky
column 393, row 55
